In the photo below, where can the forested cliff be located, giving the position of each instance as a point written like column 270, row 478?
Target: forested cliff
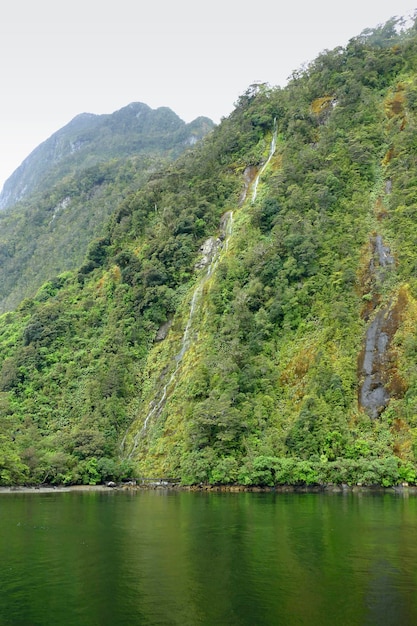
column 249, row 315
column 61, row 196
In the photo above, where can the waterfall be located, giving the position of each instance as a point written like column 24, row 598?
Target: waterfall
column 249, row 176
column 229, row 229
column 211, row 251
column 155, row 407
column 271, row 154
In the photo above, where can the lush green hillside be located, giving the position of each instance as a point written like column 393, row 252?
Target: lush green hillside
column 71, row 184
column 230, row 328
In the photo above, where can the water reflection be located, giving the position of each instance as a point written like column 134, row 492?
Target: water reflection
column 193, row 558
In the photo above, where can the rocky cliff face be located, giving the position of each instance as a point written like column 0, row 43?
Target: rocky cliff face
column 374, row 395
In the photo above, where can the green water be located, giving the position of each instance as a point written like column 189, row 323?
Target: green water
column 158, row 558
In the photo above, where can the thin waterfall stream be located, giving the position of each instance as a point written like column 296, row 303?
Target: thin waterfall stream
column 270, row 155
column 211, row 252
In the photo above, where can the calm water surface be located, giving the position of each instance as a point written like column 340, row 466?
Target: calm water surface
column 155, row 558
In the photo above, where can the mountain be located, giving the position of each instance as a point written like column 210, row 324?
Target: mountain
column 249, row 314
column 90, row 139
column 63, row 193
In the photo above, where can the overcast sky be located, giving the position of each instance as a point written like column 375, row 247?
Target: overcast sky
column 59, row 59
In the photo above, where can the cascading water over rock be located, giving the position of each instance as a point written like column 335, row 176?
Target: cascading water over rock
column 270, row 155
column 210, row 251
column 210, row 255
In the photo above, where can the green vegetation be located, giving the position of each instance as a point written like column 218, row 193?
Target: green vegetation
column 90, row 140
column 140, row 364
column 69, row 186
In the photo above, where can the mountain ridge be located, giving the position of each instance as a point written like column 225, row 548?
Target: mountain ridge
column 79, row 138
column 70, row 184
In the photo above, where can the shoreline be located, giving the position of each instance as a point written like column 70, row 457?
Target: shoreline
column 403, row 489
column 52, row 488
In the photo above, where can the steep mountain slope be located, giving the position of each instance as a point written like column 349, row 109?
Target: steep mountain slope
column 250, row 314
column 72, row 182
column 90, row 139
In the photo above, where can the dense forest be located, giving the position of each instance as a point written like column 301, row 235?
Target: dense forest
column 62, row 195
column 248, row 314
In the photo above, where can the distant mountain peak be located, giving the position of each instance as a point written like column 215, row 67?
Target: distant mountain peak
column 89, row 139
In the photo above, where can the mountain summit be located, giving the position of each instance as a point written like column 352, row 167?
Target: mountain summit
column 89, row 139
column 63, row 193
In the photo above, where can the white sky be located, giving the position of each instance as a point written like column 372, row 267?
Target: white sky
column 59, row 59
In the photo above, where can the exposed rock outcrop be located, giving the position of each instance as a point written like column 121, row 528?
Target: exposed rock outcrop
column 377, row 361
column 208, row 251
